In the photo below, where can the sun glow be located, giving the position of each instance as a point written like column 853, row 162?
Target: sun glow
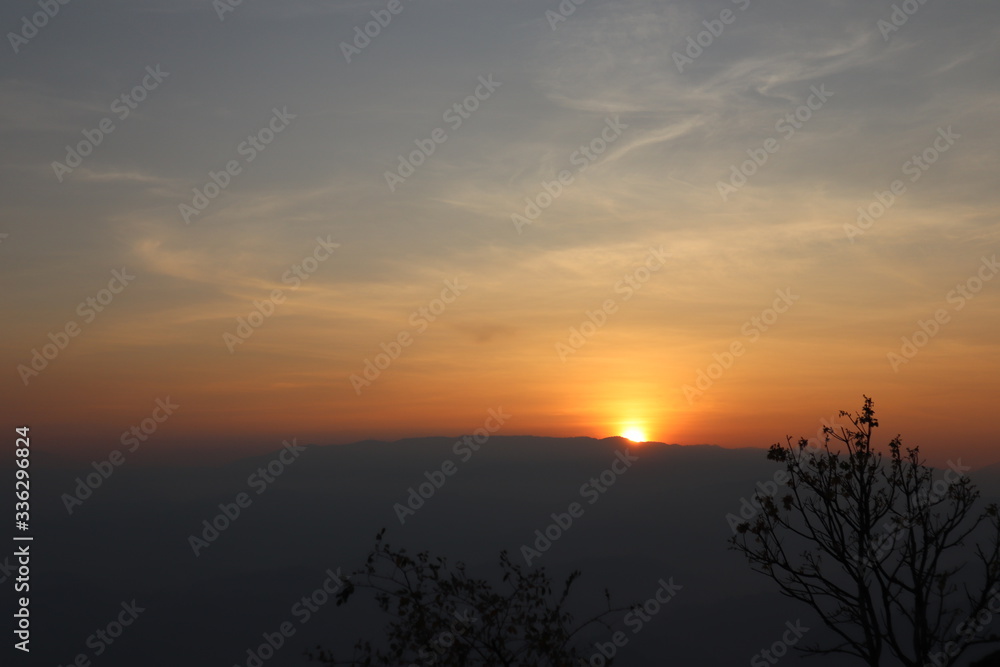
column 634, row 434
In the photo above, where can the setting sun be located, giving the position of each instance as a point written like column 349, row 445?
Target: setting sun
column 634, row 434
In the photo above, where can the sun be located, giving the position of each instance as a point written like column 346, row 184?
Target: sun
column 634, row 434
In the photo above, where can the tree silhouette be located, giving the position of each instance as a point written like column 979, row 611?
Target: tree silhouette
column 442, row 616
column 876, row 548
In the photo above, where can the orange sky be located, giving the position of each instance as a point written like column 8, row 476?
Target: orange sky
column 586, row 232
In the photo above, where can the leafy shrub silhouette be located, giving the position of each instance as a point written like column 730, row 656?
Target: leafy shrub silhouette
column 441, row 615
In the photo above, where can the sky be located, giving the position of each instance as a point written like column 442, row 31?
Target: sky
column 702, row 222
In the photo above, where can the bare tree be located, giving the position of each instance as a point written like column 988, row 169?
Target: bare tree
column 893, row 556
column 442, row 616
